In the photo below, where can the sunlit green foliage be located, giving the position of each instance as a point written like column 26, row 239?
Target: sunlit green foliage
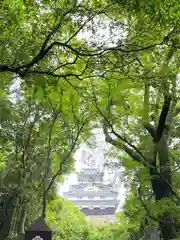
column 66, row 220
column 121, row 79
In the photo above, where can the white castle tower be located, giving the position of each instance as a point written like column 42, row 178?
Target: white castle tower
column 95, row 198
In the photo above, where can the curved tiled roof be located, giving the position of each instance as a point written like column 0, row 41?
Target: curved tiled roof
column 101, row 186
column 90, row 171
column 98, row 211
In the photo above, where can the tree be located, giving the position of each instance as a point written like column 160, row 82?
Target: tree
column 66, row 220
column 43, row 124
column 138, row 102
column 37, row 143
column 131, row 84
column 137, row 97
column 45, row 59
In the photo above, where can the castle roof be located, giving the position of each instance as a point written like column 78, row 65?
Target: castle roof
column 83, row 186
column 91, row 171
column 99, row 211
column 91, row 194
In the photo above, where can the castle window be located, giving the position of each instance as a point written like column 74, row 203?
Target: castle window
column 102, row 197
column 79, row 197
column 90, row 197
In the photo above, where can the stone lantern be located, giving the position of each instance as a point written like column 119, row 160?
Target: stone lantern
column 39, row 230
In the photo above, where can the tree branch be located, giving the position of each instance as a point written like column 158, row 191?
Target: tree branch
column 162, row 118
column 106, row 123
column 177, row 111
column 60, row 169
column 151, row 129
column 146, row 103
column 48, row 159
column 123, row 146
column 22, row 70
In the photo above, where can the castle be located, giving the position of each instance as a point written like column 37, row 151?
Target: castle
column 95, row 198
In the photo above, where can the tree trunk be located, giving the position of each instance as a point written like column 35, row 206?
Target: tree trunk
column 167, row 227
column 6, row 213
column 161, row 188
column 21, row 220
column 161, row 181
